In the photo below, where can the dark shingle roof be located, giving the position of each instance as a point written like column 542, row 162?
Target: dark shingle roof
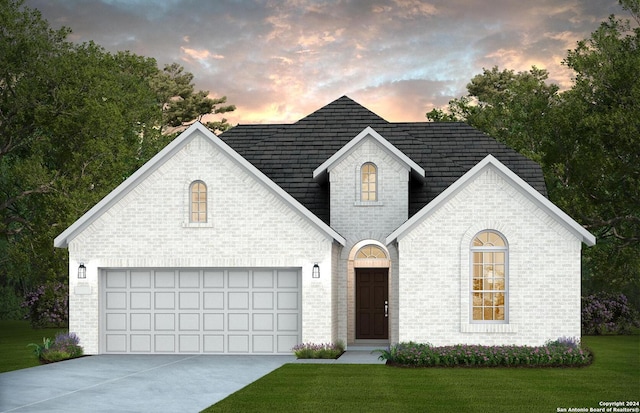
column 289, row 153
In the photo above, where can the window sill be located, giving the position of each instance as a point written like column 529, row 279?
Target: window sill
column 369, row 203
column 197, row 225
column 488, row 328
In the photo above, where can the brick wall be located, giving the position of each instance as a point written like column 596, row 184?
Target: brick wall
column 543, row 274
column 248, row 226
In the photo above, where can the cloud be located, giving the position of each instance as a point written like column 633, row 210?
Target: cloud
column 280, row 60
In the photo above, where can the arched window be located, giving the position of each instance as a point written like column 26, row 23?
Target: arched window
column 370, row 252
column 198, row 202
column 489, row 273
column 369, row 182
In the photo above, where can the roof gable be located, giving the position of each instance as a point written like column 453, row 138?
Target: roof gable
column 197, row 129
column 349, row 147
column 491, row 162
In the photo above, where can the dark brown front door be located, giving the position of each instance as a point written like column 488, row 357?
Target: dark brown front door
column 372, row 301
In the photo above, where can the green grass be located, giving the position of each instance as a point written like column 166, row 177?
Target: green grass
column 613, row 376
column 14, row 337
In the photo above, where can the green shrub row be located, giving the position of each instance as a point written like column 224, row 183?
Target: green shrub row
column 318, row 351
column 65, row 346
column 559, row 353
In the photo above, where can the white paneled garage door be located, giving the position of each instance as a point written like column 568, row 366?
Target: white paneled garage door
column 200, row 311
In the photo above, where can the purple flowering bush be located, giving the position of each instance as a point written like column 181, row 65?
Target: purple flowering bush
column 607, row 313
column 63, row 347
column 318, row 351
column 560, row 353
column 48, row 305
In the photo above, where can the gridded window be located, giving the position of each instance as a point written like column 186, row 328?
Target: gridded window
column 489, row 278
column 369, row 182
column 370, row 251
column 198, row 208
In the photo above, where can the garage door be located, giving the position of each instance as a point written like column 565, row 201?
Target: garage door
column 235, row 311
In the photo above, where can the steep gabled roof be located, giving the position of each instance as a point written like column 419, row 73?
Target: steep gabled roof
column 289, row 153
column 168, row 152
column 491, row 162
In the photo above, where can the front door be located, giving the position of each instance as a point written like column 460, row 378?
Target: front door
column 372, row 303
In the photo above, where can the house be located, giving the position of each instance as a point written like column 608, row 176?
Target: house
column 341, row 226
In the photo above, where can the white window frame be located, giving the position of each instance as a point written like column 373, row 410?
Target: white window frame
column 473, row 249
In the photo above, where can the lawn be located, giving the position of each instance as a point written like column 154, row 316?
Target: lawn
column 14, row 337
column 614, row 376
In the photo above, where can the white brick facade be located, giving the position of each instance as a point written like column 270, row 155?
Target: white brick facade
column 252, row 224
column 543, row 270
column 248, row 226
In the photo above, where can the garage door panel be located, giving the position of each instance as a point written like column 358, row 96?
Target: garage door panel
column 263, row 279
column 141, row 322
column 116, row 301
column 165, row 301
column 262, row 344
column 140, row 301
column 262, row 322
column 213, row 279
column 165, row 321
column 140, row 343
column 117, row 279
column 188, row 322
column 213, row 343
column 116, row 322
column 140, row 279
column 189, row 343
column 238, row 301
column 165, row 343
column 190, row 301
column 116, row 343
column 189, row 279
column 263, row 301
column 238, row 322
column 238, row 343
column 213, row 301
column 213, row 321
column 240, row 311
column 165, row 279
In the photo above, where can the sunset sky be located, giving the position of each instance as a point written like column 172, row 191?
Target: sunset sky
column 278, row 61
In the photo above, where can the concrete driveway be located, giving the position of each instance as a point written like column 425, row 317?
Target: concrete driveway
column 132, row 383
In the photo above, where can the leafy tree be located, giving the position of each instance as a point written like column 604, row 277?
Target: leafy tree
column 587, row 140
column 75, row 121
column 181, row 105
column 507, row 105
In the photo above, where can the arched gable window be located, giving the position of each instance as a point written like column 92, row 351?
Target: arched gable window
column 369, row 182
column 198, row 202
column 370, row 252
column 489, row 273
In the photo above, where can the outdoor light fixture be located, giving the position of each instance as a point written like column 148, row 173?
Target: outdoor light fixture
column 316, row 271
column 82, row 271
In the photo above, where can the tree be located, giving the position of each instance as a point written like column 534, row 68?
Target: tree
column 507, row 105
column 75, row 121
column 587, row 140
column 181, row 105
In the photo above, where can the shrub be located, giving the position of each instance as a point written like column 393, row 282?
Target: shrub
column 48, row 305
column 64, row 346
column 606, row 313
column 10, row 304
column 318, row 351
column 560, row 353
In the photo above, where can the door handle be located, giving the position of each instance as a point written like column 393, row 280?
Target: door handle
column 386, row 308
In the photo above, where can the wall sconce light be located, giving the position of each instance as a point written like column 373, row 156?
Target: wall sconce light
column 316, row 271
column 82, row 271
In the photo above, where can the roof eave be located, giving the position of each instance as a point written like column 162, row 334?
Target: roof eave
column 490, row 161
column 63, row 240
column 320, row 171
